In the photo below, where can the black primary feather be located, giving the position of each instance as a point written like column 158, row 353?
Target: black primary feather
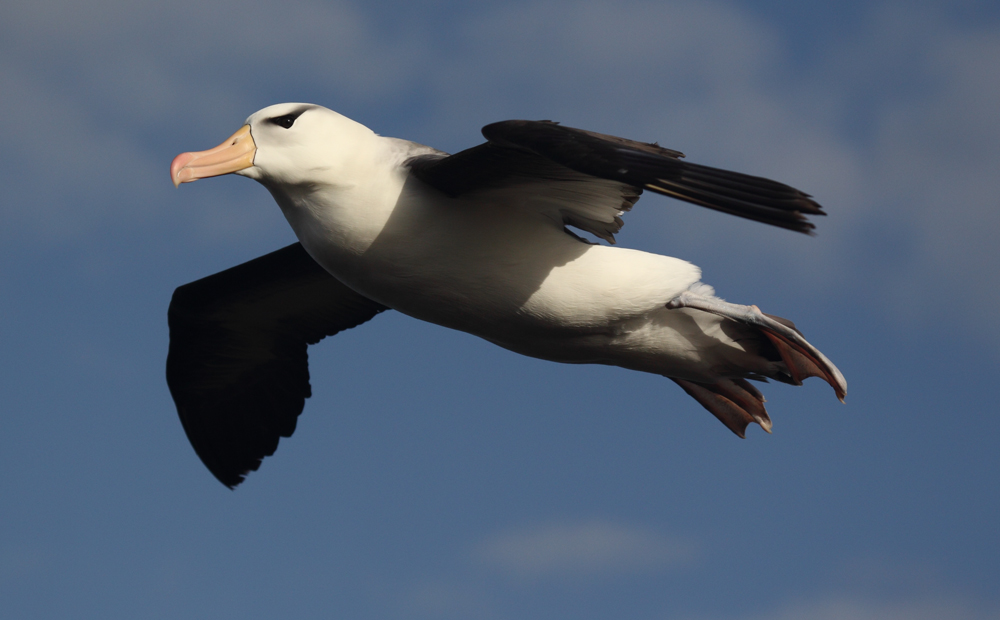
column 237, row 367
column 544, row 149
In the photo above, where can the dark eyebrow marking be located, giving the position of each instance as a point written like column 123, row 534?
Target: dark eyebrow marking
column 287, row 120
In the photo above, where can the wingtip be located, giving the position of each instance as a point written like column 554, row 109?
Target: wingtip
column 229, row 479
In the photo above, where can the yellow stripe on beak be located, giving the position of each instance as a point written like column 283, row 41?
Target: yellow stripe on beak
column 233, row 155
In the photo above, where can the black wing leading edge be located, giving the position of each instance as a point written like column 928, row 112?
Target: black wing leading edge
column 516, row 146
column 237, row 366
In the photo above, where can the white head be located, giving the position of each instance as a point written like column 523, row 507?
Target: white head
column 284, row 144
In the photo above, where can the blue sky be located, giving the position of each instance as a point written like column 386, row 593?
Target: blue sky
column 434, row 475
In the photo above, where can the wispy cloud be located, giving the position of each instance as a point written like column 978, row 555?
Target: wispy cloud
column 936, row 154
column 893, row 127
column 587, row 548
column 446, row 599
column 100, row 103
column 849, row 608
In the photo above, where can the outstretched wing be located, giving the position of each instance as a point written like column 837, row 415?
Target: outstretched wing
column 237, row 366
column 521, row 152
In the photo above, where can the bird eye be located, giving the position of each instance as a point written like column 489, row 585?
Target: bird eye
column 285, row 121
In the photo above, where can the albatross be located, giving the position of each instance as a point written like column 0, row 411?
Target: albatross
column 479, row 241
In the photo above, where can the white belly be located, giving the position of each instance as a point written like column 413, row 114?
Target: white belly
column 488, row 269
column 518, row 280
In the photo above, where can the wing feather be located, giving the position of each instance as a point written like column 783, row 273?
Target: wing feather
column 237, row 367
column 545, row 153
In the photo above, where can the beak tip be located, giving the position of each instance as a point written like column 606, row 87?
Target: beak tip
column 177, row 165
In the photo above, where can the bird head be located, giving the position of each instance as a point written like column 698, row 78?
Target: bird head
column 283, row 144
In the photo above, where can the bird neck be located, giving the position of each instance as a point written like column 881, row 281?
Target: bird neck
column 340, row 220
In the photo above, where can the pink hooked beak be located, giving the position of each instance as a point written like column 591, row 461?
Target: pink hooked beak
column 235, row 154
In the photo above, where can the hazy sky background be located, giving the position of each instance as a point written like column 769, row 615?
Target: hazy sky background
column 434, row 475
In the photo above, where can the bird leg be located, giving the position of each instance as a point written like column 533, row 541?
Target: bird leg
column 801, row 358
column 734, row 402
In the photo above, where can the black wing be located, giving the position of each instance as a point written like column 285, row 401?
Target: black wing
column 522, row 148
column 237, row 367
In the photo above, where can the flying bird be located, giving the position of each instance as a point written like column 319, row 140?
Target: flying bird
column 479, row 241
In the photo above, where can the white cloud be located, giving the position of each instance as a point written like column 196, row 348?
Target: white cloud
column 893, row 128
column 55, row 155
column 849, row 608
column 444, row 599
column 594, row 552
column 583, row 549
column 937, row 154
column 95, row 94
